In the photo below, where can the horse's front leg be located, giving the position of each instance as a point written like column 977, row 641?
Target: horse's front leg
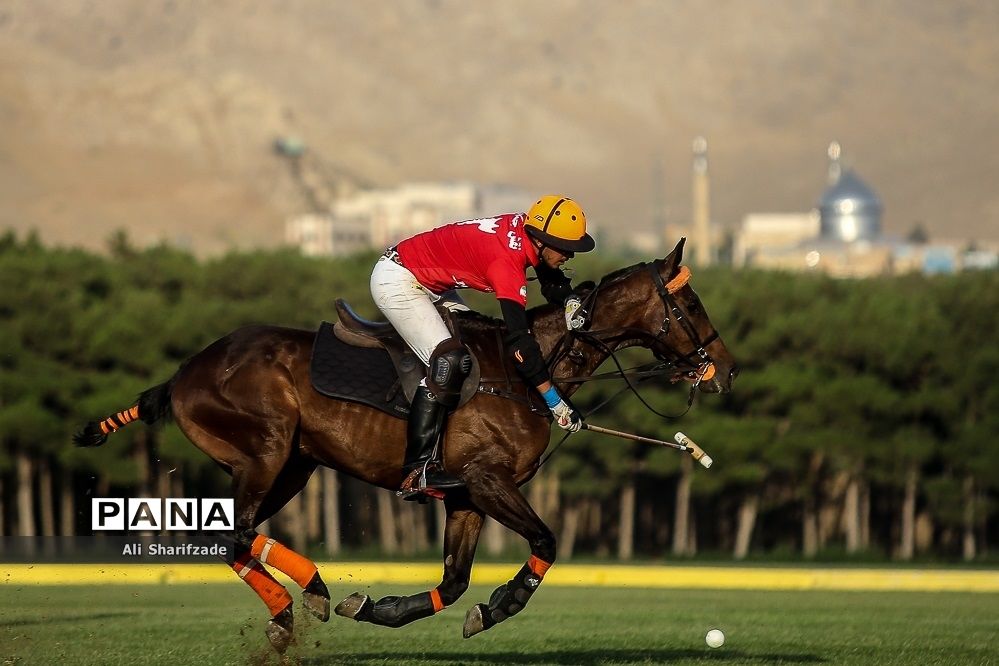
column 461, row 534
column 495, row 492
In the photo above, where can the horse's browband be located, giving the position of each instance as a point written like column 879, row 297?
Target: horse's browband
column 677, row 283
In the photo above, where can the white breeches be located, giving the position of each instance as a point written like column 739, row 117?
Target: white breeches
column 409, row 306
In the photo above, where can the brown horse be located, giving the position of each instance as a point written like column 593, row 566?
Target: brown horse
column 247, row 402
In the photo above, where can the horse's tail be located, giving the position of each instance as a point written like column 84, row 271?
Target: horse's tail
column 153, row 404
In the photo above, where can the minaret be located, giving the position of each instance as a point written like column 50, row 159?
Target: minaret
column 835, row 169
column 703, row 253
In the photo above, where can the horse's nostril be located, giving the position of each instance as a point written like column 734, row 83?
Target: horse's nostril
column 733, row 373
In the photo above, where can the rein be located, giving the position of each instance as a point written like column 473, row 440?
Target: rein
column 665, row 292
column 697, row 362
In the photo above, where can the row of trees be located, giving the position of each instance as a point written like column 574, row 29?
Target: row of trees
column 865, row 420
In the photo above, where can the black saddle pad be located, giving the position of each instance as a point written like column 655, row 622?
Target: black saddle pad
column 357, row 374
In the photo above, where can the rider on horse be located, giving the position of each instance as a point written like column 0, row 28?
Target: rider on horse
column 490, row 255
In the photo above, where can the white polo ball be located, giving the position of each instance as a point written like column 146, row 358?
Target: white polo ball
column 715, row 638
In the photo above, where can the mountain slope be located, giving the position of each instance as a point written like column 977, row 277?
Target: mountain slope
column 160, row 117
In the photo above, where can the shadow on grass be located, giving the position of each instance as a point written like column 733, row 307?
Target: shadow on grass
column 57, row 619
column 567, row 657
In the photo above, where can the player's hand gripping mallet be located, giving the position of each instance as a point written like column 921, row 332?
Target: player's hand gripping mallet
column 683, row 443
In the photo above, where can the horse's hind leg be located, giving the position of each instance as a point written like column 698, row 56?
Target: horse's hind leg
column 274, row 594
column 255, row 465
column 292, row 479
column 496, row 493
column 461, row 534
column 260, row 493
column 252, row 482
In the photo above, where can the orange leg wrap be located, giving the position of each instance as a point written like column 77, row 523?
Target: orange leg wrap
column 268, row 551
column 435, row 599
column 268, row 589
column 538, row 566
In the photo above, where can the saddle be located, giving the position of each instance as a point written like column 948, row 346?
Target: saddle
column 368, row 362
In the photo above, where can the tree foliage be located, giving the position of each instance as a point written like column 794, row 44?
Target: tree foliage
column 859, row 379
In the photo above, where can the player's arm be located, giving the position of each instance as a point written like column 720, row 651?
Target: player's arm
column 555, row 285
column 557, row 289
column 523, row 349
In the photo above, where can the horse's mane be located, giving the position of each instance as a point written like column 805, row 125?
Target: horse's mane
column 621, row 273
column 476, row 322
column 473, row 322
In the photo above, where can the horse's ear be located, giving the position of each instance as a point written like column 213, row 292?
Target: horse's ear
column 673, row 259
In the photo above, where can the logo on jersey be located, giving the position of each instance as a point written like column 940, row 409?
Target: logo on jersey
column 486, row 224
column 523, row 292
column 514, row 241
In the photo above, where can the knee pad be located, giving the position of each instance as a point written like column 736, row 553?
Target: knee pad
column 450, row 364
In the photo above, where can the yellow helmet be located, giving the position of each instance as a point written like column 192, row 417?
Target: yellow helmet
column 559, row 222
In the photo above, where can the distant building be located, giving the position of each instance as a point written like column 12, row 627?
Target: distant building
column 850, row 211
column 705, row 240
column 379, row 218
column 704, row 235
column 843, row 237
column 939, row 259
column 764, row 234
column 980, row 259
column 948, row 257
column 316, row 235
column 845, row 260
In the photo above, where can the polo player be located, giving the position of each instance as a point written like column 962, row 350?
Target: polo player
column 489, row 255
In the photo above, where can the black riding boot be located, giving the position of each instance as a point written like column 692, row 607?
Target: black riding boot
column 426, row 421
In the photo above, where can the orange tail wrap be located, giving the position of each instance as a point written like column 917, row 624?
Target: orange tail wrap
column 119, row 420
column 538, row 566
column 268, row 589
column 268, row 551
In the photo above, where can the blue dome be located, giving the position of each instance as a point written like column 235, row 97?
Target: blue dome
column 850, row 210
column 849, row 188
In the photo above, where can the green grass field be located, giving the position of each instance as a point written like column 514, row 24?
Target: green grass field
column 223, row 624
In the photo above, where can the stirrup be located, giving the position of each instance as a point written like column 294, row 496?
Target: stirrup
column 414, row 487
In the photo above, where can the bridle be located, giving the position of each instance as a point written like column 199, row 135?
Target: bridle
column 695, row 366
column 698, row 362
column 666, row 291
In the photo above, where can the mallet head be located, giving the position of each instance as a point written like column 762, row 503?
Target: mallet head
column 695, row 451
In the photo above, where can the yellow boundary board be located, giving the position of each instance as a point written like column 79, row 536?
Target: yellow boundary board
column 368, row 573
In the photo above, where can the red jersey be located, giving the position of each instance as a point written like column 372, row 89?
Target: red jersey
column 489, row 254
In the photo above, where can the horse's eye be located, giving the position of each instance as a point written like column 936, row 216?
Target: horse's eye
column 694, row 306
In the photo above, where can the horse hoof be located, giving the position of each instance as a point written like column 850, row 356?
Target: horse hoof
column 279, row 630
column 317, row 605
column 352, row 606
column 475, row 620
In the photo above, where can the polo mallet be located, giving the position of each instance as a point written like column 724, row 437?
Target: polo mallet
column 683, row 443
